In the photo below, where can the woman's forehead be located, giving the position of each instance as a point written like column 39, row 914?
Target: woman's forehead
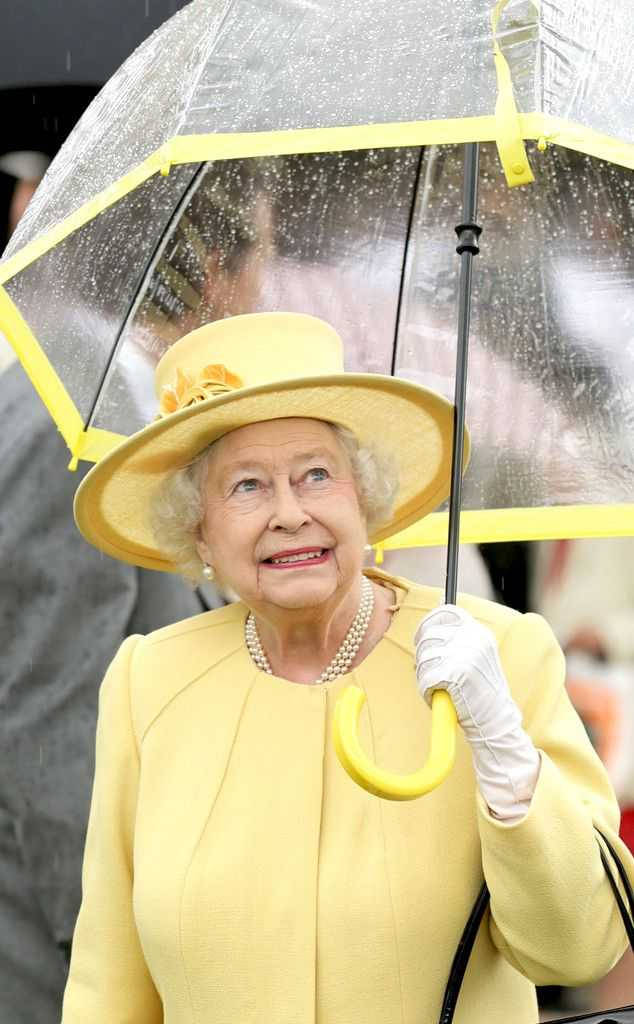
column 274, row 439
column 279, row 434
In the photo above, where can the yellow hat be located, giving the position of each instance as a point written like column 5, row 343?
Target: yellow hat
column 247, row 369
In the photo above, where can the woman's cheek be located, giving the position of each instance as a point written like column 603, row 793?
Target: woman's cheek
column 225, row 530
column 337, row 489
column 239, row 504
column 346, row 491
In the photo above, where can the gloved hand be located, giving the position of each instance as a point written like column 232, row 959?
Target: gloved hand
column 456, row 653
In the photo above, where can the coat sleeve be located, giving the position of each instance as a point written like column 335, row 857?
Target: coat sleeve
column 553, row 914
column 109, row 981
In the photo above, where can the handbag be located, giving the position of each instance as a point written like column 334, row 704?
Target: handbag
column 622, row 1015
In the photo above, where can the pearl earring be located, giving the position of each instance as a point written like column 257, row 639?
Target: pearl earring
column 208, row 573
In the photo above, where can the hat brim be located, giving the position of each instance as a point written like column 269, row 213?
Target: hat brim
column 407, row 421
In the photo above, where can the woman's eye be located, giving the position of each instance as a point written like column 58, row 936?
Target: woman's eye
column 318, row 474
column 245, row 486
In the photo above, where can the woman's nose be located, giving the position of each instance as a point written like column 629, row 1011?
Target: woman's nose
column 288, row 512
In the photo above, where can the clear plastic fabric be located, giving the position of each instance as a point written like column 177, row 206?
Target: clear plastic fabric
column 366, row 240
column 323, row 234
column 269, row 65
column 586, row 72
column 77, row 297
column 550, row 401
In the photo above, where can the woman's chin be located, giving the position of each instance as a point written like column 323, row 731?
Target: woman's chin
column 297, row 590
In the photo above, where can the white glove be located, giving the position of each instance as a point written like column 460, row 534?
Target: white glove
column 457, row 654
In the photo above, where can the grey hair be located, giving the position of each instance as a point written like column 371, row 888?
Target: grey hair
column 177, row 508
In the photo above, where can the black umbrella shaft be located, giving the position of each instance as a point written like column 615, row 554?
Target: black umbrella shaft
column 468, row 233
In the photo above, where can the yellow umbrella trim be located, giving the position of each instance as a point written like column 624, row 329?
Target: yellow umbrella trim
column 91, row 444
column 226, row 146
column 506, row 524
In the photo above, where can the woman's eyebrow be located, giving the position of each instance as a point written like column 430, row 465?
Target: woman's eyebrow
column 244, row 466
column 314, row 453
column 253, row 465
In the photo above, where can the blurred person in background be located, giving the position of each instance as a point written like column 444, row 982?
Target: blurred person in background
column 210, row 266
column 585, row 588
column 25, row 170
column 20, row 173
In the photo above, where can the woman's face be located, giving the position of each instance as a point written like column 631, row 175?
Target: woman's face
column 282, row 523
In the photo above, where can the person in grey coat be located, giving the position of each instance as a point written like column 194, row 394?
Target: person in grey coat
column 64, row 610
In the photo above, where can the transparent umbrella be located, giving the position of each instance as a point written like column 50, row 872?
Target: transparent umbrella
column 257, row 156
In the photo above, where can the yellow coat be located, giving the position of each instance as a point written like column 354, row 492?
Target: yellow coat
column 234, row 874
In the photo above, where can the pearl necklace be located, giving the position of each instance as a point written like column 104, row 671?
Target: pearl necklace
column 345, row 655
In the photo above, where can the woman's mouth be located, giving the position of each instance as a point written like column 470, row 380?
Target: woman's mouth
column 302, row 558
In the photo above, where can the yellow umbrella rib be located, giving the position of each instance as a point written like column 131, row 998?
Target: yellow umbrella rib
column 509, row 140
column 91, row 444
column 40, row 371
column 98, row 442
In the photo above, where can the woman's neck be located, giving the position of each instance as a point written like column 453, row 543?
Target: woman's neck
column 300, row 644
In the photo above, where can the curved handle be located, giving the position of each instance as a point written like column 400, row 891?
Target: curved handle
column 389, row 784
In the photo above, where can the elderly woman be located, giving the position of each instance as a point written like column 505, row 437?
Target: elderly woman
column 233, row 871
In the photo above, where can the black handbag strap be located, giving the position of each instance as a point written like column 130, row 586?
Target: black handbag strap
column 627, row 913
column 461, row 958
column 468, row 937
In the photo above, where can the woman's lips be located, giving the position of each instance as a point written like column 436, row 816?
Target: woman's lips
column 302, row 563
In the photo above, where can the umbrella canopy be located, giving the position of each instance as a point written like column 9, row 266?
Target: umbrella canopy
column 242, row 160
column 48, row 54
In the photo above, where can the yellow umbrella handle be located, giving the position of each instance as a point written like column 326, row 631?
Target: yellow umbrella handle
column 369, row 776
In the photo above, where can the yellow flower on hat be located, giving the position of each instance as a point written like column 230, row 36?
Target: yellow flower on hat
column 214, row 379
column 218, row 373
